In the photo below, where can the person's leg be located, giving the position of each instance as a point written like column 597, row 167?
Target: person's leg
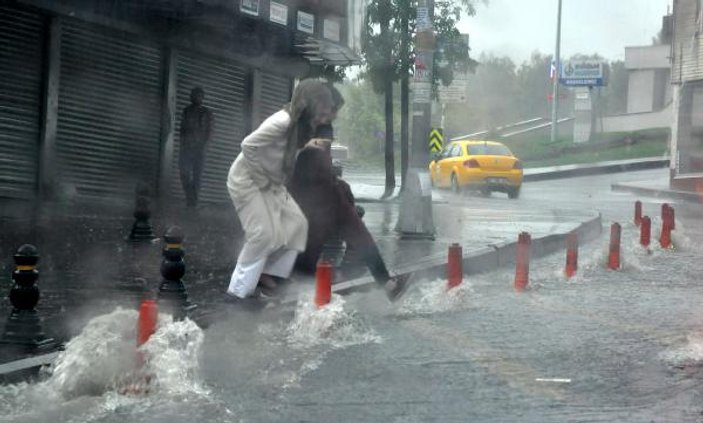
column 280, row 263
column 198, row 166
column 359, row 239
column 256, row 222
column 186, row 172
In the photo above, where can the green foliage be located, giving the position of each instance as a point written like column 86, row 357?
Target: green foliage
column 360, row 124
column 381, row 40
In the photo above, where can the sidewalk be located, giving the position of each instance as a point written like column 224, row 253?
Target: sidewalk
column 658, row 188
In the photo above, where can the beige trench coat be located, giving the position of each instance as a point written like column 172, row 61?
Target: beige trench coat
column 271, row 219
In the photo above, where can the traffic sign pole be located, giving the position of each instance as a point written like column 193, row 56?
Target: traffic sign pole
column 415, row 217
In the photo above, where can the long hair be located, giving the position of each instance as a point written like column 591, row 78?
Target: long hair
column 307, row 96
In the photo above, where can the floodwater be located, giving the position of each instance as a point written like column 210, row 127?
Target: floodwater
column 603, row 346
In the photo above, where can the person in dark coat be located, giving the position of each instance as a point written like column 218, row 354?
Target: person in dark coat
column 196, row 132
column 328, row 204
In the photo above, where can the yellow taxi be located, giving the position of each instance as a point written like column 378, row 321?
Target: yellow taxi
column 485, row 166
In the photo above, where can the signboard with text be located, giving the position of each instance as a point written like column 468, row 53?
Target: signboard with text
column 250, row 7
column 306, row 22
column 278, row 13
column 582, row 74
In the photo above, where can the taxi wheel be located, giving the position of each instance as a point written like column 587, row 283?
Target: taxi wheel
column 513, row 193
column 455, row 184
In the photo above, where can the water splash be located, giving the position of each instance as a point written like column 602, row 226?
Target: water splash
column 331, row 325
column 89, row 377
column 687, row 355
column 433, row 297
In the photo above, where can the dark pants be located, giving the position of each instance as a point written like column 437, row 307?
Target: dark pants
column 191, row 163
column 330, row 213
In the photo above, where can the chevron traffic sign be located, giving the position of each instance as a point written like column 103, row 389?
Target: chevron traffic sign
column 436, row 140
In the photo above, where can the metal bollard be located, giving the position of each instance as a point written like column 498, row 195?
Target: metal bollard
column 23, row 327
column 141, row 229
column 172, row 295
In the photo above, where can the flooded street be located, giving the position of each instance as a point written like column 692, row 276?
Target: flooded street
column 604, row 346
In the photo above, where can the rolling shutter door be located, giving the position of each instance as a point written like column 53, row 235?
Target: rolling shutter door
column 108, row 131
column 275, row 93
column 21, row 57
column 224, row 84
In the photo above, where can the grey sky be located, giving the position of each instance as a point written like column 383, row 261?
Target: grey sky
column 516, row 28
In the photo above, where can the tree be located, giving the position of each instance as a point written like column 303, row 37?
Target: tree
column 387, row 49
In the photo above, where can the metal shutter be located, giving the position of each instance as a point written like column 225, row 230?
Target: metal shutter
column 109, row 116
column 224, row 84
column 21, row 57
column 275, row 93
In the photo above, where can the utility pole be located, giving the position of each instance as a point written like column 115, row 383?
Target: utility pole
column 555, row 82
column 415, row 217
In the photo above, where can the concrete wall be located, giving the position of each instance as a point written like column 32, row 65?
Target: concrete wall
column 640, row 90
column 639, row 121
column 648, row 57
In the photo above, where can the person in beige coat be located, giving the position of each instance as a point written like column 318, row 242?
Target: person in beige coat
column 275, row 228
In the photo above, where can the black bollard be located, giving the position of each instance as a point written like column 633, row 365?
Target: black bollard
column 141, row 229
column 173, row 297
column 23, row 328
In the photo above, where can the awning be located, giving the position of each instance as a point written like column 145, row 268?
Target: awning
column 323, row 52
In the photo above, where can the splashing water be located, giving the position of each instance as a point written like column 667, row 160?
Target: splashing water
column 88, row 377
column 689, row 354
column 433, row 297
column 330, row 325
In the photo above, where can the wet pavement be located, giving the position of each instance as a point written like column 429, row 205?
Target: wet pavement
column 604, row 346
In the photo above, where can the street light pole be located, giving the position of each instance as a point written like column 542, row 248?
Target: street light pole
column 555, row 81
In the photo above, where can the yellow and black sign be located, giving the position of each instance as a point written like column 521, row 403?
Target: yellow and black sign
column 436, row 140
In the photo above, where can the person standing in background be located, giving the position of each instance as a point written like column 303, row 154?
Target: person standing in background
column 196, row 132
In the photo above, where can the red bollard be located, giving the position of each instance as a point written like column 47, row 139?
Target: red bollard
column 614, row 253
column 146, row 325
column 645, row 231
column 323, row 286
column 665, row 238
column 522, row 265
column 572, row 254
column 638, row 212
column 454, row 266
column 672, row 217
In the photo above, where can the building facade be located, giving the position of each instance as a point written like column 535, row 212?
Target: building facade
column 91, row 92
column 687, row 84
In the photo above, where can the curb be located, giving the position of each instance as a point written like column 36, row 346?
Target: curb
column 569, row 171
column 657, row 193
column 483, row 259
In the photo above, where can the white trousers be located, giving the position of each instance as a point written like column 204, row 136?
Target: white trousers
column 246, row 276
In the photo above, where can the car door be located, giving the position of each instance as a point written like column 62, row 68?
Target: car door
column 448, row 163
column 436, row 169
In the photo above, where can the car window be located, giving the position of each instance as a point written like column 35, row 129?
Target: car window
column 489, row 150
column 446, row 152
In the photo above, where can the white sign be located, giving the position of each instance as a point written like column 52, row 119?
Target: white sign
column 306, row 22
column 422, row 21
column 250, row 7
column 422, row 92
column 456, row 91
column 278, row 13
column 330, row 30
